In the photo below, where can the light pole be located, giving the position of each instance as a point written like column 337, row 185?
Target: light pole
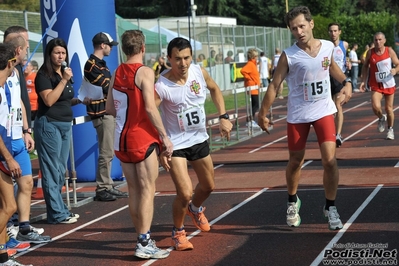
column 286, row 6
column 193, row 10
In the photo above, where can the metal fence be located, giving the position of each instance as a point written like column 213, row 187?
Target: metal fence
column 219, row 37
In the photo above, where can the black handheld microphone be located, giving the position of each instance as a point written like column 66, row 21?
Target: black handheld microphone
column 64, row 64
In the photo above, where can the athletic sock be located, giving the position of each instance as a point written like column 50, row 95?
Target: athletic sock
column 292, row 198
column 144, row 238
column 193, row 208
column 24, row 227
column 177, row 229
column 329, row 203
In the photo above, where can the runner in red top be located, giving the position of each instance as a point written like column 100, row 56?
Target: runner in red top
column 138, row 134
column 378, row 71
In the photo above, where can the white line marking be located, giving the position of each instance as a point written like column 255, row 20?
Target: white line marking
column 341, row 232
column 151, row 261
column 397, row 164
column 96, row 233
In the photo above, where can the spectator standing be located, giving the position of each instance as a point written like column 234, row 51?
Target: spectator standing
column 252, row 82
column 160, row 67
column 31, row 68
column 229, row 59
column 355, row 67
column 180, row 93
column 264, row 69
column 212, row 60
column 300, row 64
column 138, row 138
column 53, row 128
column 97, row 74
column 378, row 70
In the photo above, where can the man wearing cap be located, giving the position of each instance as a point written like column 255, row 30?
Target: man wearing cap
column 97, row 73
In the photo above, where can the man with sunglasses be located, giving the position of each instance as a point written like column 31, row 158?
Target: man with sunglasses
column 98, row 75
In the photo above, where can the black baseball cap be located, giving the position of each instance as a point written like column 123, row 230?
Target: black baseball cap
column 103, row 37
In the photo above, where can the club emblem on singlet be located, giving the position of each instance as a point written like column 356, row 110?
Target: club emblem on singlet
column 325, row 63
column 195, row 87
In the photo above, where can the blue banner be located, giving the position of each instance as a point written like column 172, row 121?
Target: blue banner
column 76, row 22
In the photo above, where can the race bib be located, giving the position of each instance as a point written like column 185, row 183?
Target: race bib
column 16, row 114
column 316, row 90
column 192, row 119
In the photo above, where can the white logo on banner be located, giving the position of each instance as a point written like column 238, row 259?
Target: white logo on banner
column 77, row 46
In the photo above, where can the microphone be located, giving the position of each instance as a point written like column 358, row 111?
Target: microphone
column 64, row 65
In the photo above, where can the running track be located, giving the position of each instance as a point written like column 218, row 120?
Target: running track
column 247, row 209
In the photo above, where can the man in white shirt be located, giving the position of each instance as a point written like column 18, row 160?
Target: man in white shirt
column 264, row 69
column 355, row 67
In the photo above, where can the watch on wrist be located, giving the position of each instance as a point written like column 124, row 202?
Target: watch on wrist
column 29, row 131
column 224, row 116
column 346, row 80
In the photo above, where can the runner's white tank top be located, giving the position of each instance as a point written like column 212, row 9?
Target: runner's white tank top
column 182, row 108
column 308, row 80
column 16, row 108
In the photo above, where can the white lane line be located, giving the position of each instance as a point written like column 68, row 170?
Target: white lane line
column 72, row 231
column 268, row 144
column 306, row 163
column 151, row 261
column 341, row 232
column 396, row 165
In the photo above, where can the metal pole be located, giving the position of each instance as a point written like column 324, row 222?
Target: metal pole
column 193, row 9
column 188, row 15
column 159, row 36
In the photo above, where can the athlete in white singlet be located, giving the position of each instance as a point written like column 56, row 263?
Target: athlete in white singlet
column 181, row 94
column 339, row 54
column 307, row 66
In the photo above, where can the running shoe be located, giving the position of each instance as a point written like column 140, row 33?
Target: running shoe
column 74, row 215
column 13, row 262
column 293, row 218
column 37, row 230
column 381, row 123
column 334, row 223
column 390, row 134
column 69, row 220
column 12, row 231
column 180, row 241
column 199, row 218
column 255, row 125
column 17, row 245
column 33, row 237
column 338, row 140
column 11, row 252
column 150, row 251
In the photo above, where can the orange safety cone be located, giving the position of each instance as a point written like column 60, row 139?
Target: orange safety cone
column 39, row 189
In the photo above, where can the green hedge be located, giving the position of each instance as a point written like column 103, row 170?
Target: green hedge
column 359, row 29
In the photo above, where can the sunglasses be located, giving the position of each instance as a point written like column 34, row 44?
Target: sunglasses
column 13, row 60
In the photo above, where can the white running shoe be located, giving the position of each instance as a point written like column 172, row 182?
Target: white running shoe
column 12, row 231
column 293, row 218
column 381, row 123
column 334, row 223
column 150, row 251
column 390, row 134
